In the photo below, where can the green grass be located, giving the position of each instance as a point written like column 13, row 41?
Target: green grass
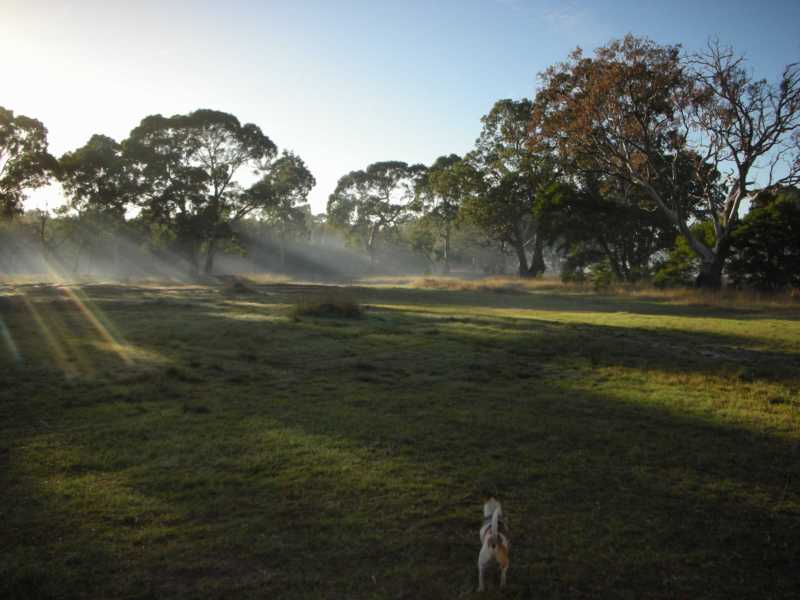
column 199, row 442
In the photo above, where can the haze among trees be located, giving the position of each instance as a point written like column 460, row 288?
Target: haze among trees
column 638, row 162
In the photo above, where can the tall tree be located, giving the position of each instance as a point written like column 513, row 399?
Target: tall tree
column 187, row 169
column 642, row 112
column 514, row 180
column 371, row 203
column 441, row 190
column 97, row 182
column 284, row 192
column 25, row 163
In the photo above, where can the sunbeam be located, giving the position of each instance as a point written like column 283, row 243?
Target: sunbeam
column 57, row 350
column 100, row 322
column 94, row 316
column 8, row 340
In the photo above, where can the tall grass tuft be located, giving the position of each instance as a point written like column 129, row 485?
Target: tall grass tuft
column 332, row 304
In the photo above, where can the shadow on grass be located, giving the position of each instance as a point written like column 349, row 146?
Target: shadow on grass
column 350, row 460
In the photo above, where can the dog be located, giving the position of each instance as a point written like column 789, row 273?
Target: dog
column 494, row 540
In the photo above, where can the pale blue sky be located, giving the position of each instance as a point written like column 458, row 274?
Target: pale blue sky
column 342, row 83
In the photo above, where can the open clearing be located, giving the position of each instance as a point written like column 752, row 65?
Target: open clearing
column 200, row 442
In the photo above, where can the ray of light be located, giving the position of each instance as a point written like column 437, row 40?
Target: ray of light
column 100, row 322
column 93, row 315
column 8, row 340
column 56, row 348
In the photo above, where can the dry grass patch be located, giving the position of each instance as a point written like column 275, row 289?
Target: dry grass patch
column 500, row 285
column 725, row 298
column 264, row 278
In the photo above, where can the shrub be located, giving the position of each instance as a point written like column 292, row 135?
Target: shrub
column 765, row 252
column 330, row 305
column 680, row 267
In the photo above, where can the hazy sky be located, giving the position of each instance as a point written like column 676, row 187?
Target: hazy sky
column 342, row 83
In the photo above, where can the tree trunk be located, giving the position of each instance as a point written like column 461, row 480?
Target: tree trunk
column 193, row 258
column 371, row 245
column 537, row 261
column 446, row 266
column 371, row 256
column 710, row 276
column 212, row 248
column 523, row 260
column 282, row 248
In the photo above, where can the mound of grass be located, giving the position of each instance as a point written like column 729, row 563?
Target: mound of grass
column 331, row 305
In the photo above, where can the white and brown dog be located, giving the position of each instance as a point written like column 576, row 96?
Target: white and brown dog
column 495, row 541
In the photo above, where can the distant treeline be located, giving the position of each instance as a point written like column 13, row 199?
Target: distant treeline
column 637, row 163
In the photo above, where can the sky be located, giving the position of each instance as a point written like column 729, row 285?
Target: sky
column 343, row 83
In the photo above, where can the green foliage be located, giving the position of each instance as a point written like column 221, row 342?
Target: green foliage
column 185, row 169
column 370, row 204
column 440, row 192
column 24, row 160
column 282, row 198
column 96, row 178
column 508, row 203
column 602, row 220
column 601, row 276
column 681, row 265
column 765, row 246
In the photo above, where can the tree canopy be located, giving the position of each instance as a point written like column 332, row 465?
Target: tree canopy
column 645, row 113
column 371, row 203
column 515, row 178
column 25, row 163
column 441, row 191
column 282, row 197
column 186, row 169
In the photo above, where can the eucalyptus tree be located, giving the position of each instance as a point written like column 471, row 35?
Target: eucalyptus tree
column 641, row 112
column 371, row 203
column 441, row 190
column 284, row 197
column 187, row 172
column 25, row 163
column 97, row 182
column 514, row 182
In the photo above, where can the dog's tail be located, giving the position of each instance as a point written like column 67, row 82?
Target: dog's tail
column 495, row 531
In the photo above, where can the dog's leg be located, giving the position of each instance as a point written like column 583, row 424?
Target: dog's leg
column 502, row 558
column 484, row 558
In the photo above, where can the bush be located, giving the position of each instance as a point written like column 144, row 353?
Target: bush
column 765, row 246
column 601, row 276
column 681, row 266
column 329, row 305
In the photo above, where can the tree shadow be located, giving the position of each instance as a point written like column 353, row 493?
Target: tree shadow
column 351, row 460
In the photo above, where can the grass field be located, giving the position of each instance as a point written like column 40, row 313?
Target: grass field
column 212, row 442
